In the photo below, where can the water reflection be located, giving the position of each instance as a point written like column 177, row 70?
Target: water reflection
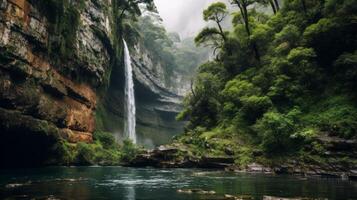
column 131, row 187
column 130, row 184
column 130, row 193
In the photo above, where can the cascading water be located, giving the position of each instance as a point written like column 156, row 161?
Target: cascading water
column 130, row 110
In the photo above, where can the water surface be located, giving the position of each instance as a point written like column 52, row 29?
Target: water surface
column 121, row 183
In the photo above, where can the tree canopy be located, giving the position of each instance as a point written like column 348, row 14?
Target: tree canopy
column 280, row 79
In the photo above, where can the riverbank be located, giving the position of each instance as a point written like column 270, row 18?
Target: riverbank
column 172, row 156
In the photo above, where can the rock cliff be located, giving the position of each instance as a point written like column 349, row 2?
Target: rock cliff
column 53, row 68
column 159, row 95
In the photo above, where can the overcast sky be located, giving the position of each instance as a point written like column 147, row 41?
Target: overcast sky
column 183, row 16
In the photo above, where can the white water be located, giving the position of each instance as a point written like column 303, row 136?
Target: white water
column 130, row 110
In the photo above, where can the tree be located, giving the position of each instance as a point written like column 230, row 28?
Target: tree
column 212, row 36
column 132, row 6
column 273, row 3
column 216, row 12
column 243, row 7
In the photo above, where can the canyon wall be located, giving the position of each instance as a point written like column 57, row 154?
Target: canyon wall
column 158, row 94
column 59, row 73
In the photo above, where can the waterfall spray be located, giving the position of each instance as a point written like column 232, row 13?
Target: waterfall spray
column 130, row 110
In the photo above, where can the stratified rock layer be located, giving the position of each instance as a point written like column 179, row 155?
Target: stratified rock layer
column 39, row 96
column 46, row 97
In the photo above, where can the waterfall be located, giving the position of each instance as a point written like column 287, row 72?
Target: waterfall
column 130, row 110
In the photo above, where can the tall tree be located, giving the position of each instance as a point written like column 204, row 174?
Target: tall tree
column 132, row 6
column 276, row 2
column 273, row 3
column 213, row 36
column 243, row 7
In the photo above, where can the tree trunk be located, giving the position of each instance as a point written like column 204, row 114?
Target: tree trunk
column 192, row 90
column 256, row 51
column 246, row 20
column 272, row 6
column 244, row 12
column 221, row 31
column 277, row 6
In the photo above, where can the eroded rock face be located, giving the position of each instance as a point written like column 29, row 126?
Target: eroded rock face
column 158, row 100
column 158, row 96
column 46, row 94
column 62, row 95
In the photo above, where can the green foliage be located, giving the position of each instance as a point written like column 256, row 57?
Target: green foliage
column 243, row 98
column 278, row 81
column 210, row 36
column 103, row 151
column 345, row 68
column 85, row 154
column 337, row 116
column 129, row 150
column 105, row 138
column 215, row 12
column 254, row 107
column 66, row 152
column 276, row 131
column 205, row 97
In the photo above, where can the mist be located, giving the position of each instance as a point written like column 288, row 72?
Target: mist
column 183, row 16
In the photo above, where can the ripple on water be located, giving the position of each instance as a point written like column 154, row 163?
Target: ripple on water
column 150, row 183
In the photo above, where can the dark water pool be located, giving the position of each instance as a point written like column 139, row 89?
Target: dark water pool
column 121, row 183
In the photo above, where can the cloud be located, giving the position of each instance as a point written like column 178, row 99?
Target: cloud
column 183, row 16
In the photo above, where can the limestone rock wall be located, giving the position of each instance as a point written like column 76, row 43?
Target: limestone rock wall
column 45, row 95
column 56, row 98
column 158, row 100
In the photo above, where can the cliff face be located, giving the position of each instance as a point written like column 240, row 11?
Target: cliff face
column 158, row 96
column 43, row 100
column 48, row 94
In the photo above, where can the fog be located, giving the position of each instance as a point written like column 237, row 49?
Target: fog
column 183, row 16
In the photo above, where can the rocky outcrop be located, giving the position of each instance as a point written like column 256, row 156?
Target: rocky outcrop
column 337, row 162
column 174, row 157
column 40, row 95
column 158, row 96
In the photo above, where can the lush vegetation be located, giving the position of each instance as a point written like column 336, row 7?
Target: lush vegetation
column 279, row 81
column 104, row 151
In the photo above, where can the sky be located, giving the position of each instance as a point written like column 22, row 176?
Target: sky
column 183, row 16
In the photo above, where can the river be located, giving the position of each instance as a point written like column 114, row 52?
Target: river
column 121, row 183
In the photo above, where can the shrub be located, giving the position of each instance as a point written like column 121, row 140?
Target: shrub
column 338, row 117
column 129, row 150
column 67, row 153
column 254, row 107
column 86, row 154
column 276, row 131
column 106, row 139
